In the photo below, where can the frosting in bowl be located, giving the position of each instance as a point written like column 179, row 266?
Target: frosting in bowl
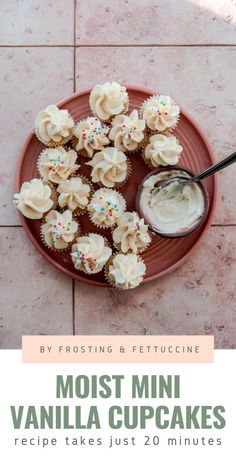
column 53, row 125
column 131, row 234
column 59, row 230
column 127, row 131
column 57, row 164
column 174, row 209
column 91, row 135
column 106, row 207
column 34, row 199
column 109, row 167
column 126, row 271
column 74, row 194
column 163, row 150
column 108, row 99
column 160, row 113
column 90, row 253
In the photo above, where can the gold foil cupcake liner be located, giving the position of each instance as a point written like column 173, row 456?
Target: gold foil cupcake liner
column 106, row 270
column 104, row 225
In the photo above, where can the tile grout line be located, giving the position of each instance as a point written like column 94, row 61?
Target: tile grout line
column 25, row 46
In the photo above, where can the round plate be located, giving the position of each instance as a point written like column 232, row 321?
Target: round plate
column 163, row 255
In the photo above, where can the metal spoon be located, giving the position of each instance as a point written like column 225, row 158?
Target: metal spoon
column 196, row 178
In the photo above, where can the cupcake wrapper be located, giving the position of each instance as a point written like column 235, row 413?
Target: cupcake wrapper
column 103, row 225
column 150, row 132
column 120, row 184
column 80, row 211
column 67, row 249
column 139, row 251
column 53, row 144
column 108, row 122
column 106, row 244
column 106, row 271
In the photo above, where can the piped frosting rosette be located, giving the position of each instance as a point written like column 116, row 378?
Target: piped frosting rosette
column 106, row 207
column 125, row 271
column 108, row 100
column 110, row 168
column 127, row 132
column 161, row 113
column 162, row 151
column 90, row 135
column 131, row 234
column 34, row 199
column 54, row 127
column 56, row 165
column 75, row 194
column 90, row 253
column 59, row 230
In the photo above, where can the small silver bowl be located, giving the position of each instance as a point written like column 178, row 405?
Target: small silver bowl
column 199, row 221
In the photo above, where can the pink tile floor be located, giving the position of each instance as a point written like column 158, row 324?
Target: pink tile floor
column 49, row 49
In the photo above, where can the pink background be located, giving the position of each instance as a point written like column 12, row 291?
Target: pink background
column 48, row 50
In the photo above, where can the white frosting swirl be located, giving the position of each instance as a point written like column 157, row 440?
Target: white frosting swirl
column 127, row 131
column 90, row 253
column 54, row 125
column 57, row 164
column 91, row 135
column 109, row 167
column 173, row 209
column 74, row 194
column 108, row 99
column 131, row 233
column 126, row 271
column 59, row 230
column 160, row 113
column 34, row 199
column 106, row 207
column 163, row 150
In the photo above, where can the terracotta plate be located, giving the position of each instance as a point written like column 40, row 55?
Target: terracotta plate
column 163, row 255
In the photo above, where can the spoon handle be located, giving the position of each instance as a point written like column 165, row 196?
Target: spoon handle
column 215, row 168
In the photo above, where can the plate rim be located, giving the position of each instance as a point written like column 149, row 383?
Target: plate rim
column 49, row 258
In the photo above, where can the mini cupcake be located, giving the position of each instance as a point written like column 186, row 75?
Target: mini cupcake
column 35, row 199
column 106, row 207
column 110, row 168
column 127, row 132
column 59, row 231
column 75, row 194
column 125, row 271
column 56, row 165
column 90, row 135
column 131, row 234
column 161, row 113
column 90, row 253
column 108, row 100
column 54, row 127
column 162, row 151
